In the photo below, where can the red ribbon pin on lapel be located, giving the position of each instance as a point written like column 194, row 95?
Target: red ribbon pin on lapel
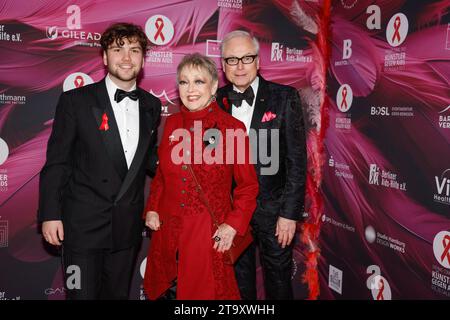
column 104, row 126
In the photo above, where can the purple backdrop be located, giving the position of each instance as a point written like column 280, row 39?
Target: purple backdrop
column 385, row 229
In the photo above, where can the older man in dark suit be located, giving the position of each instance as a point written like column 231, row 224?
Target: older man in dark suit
column 92, row 185
column 273, row 116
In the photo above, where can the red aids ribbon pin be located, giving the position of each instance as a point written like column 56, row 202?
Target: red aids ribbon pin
column 225, row 103
column 104, row 126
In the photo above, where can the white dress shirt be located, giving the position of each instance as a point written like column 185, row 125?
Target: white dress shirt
column 245, row 112
column 127, row 117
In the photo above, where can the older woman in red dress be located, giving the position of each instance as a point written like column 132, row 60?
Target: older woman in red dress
column 185, row 244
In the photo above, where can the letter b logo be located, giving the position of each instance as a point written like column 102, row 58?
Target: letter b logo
column 347, row 49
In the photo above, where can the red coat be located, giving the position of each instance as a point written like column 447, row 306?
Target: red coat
column 187, row 229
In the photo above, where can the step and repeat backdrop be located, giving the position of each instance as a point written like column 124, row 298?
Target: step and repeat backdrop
column 48, row 47
column 385, row 228
column 378, row 194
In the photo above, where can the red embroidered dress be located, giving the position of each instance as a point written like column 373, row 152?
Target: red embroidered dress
column 187, row 225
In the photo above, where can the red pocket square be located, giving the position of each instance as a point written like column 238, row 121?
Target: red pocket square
column 268, row 116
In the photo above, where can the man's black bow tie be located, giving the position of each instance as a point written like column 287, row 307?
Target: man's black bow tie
column 121, row 94
column 236, row 98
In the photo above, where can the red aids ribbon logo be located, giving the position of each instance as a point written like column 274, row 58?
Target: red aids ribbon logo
column 446, row 252
column 79, row 81
column 344, row 98
column 76, row 80
column 104, row 126
column 397, row 24
column 441, row 248
column 159, row 29
column 159, row 24
column 397, row 29
column 377, row 284
column 380, row 293
column 4, row 153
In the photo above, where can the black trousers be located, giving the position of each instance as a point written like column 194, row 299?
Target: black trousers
column 276, row 263
column 98, row 274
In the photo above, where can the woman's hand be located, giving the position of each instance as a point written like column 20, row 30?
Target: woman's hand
column 152, row 220
column 223, row 237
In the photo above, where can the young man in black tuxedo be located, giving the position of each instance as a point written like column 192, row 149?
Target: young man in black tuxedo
column 275, row 109
column 91, row 192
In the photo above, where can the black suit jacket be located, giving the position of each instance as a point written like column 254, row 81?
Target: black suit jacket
column 282, row 193
column 85, row 181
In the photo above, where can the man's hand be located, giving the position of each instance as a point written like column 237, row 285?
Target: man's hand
column 152, row 220
column 285, row 231
column 53, row 232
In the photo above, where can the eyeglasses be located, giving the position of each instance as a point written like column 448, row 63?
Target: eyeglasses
column 233, row 61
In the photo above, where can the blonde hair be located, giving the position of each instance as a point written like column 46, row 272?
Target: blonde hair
column 200, row 61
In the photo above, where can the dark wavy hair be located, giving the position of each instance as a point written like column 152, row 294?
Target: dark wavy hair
column 118, row 31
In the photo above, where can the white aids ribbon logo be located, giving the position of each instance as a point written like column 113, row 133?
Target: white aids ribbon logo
column 441, row 248
column 397, row 29
column 159, row 29
column 344, row 98
column 76, row 80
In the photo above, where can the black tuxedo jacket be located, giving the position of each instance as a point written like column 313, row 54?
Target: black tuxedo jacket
column 85, row 181
column 282, row 193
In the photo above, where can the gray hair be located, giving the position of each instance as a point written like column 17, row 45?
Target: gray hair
column 237, row 34
column 200, row 61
